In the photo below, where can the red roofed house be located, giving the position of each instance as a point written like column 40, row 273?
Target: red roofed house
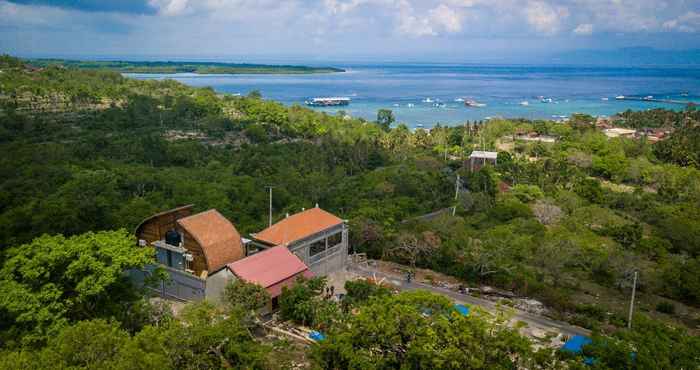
column 273, row 269
column 191, row 248
column 318, row 238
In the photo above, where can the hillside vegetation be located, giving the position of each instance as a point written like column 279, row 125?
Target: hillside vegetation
column 567, row 223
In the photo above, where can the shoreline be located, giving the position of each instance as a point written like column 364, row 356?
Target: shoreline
column 169, row 67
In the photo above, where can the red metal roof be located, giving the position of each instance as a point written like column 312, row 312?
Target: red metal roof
column 272, row 269
column 298, row 226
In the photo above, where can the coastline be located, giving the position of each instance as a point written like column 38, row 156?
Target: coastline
column 200, row 68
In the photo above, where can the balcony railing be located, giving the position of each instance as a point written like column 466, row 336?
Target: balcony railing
column 326, row 253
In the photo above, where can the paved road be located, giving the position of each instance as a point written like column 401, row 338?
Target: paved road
column 532, row 320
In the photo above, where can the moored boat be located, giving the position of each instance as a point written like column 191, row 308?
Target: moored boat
column 327, row 102
column 473, row 103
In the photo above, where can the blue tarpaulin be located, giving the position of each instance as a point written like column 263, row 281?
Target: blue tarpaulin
column 575, row 345
column 317, row 336
column 462, row 309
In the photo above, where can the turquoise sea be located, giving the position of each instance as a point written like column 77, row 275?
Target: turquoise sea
column 425, row 94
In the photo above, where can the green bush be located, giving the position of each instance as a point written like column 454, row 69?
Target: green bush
column 666, row 307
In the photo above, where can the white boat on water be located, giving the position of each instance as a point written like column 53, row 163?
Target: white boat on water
column 648, row 97
column 525, row 103
column 474, row 104
column 428, row 100
column 546, row 100
column 327, row 102
column 604, row 99
column 620, row 97
column 459, row 100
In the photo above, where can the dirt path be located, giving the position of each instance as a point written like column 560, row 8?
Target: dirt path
column 533, row 321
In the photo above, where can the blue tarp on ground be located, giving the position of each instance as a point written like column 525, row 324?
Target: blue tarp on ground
column 462, row 309
column 575, row 345
column 317, row 336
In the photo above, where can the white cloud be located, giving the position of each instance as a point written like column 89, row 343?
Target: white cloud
column 688, row 22
column 170, row 7
column 409, row 24
column 585, row 29
column 446, row 18
column 245, row 26
column 545, row 18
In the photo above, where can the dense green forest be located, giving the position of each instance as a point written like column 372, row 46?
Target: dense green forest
column 88, row 151
column 182, row 67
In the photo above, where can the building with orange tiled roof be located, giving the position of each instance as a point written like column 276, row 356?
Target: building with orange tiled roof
column 317, row 237
column 191, row 248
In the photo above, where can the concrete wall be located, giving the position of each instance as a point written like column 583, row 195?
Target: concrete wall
column 182, row 285
column 333, row 258
column 216, row 284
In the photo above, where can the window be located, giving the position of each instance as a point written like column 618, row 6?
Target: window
column 317, row 247
column 335, row 239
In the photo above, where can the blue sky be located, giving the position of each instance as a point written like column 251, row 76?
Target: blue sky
column 420, row 30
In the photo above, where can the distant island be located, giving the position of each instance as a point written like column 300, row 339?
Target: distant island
column 183, row 67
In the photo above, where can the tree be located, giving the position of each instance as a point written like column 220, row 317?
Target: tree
column 419, row 330
column 203, row 338
column 385, row 117
column 56, row 280
column 360, row 291
column 590, row 189
column 546, row 212
column 582, row 122
column 411, row 248
column 246, row 297
column 299, row 303
column 526, row 193
column 649, row 345
column 255, row 94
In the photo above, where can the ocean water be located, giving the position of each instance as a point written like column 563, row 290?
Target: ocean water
column 425, row 94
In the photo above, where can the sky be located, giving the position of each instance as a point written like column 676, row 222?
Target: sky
column 353, row 30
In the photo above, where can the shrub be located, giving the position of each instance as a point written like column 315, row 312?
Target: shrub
column 666, row 307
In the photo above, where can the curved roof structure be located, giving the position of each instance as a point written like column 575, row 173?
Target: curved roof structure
column 216, row 235
column 174, row 212
column 298, row 226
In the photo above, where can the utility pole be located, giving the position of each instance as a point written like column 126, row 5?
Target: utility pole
column 270, row 214
column 457, row 185
column 634, row 289
column 445, row 142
